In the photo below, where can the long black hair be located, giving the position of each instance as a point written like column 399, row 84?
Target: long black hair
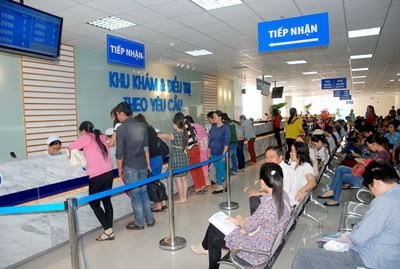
column 88, row 127
column 329, row 129
column 272, row 175
column 322, row 138
column 189, row 126
column 179, row 120
column 303, row 153
column 293, row 114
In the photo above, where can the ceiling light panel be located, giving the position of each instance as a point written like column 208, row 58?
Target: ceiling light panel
column 364, row 32
column 362, row 56
column 359, row 69
column 198, row 52
column 297, row 62
column 358, row 82
column 310, row 73
column 359, row 77
column 214, row 4
column 111, row 23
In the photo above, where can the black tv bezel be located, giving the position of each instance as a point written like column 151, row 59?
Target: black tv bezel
column 274, row 89
column 25, row 52
column 264, row 83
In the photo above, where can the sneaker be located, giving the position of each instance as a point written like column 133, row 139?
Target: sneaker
column 198, row 249
column 233, row 173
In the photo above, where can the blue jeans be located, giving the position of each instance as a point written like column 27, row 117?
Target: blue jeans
column 156, row 165
column 220, row 170
column 139, row 196
column 233, row 156
column 320, row 258
column 343, row 175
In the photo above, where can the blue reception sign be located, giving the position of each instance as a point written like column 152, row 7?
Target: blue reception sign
column 345, row 97
column 333, row 83
column 294, row 33
column 339, row 93
column 125, row 52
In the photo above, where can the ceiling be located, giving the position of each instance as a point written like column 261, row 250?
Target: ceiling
column 168, row 28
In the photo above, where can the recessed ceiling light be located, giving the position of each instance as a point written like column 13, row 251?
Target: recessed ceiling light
column 359, row 77
column 198, row 52
column 316, row 79
column 111, row 23
column 398, row 74
column 358, row 82
column 297, row 62
column 391, row 80
column 398, row 80
column 267, row 76
column 214, row 4
column 359, row 69
column 362, row 56
column 310, row 73
column 364, row 32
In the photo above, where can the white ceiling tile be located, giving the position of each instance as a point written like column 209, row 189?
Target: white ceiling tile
column 197, row 19
column 213, row 28
column 50, row 5
column 142, row 16
column 81, row 13
column 115, row 7
column 178, row 8
column 164, row 25
column 233, row 12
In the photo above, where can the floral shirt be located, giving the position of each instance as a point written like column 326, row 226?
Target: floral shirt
column 261, row 229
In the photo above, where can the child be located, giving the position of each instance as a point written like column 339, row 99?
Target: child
column 322, row 152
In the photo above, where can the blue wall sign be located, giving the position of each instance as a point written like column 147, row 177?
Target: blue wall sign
column 345, row 97
column 294, row 33
column 333, row 83
column 125, row 52
column 338, row 93
column 349, row 102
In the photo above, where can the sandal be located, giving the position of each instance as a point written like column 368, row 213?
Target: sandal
column 105, row 237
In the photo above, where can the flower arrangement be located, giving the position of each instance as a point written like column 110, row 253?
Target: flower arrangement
column 324, row 114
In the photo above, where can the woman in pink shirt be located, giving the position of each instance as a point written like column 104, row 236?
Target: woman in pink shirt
column 99, row 168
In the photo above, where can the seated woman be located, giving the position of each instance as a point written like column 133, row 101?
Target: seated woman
column 312, row 150
column 54, row 145
column 303, row 168
column 257, row 231
column 343, row 173
column 322, row 149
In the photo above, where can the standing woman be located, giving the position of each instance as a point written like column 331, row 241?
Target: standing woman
column 240, row 140
column 370, row 115
column 179, row 156
column 99, row 168
column 276, row 122
column 202, row 142
column 194, row 157
column 294, row 128
column 155, row 189
column 220, row 137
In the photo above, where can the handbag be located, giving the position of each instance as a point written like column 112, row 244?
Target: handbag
column 77, row 158
column 358, row 170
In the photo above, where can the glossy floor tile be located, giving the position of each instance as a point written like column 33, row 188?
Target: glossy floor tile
column 140, row 249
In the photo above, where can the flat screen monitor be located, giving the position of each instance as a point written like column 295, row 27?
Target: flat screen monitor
column 277, row 92
column 29, row 31
column 263, row 86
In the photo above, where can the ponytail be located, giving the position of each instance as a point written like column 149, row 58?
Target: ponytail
column 88, row 127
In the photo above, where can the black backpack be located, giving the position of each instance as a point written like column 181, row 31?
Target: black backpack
column 163, row 148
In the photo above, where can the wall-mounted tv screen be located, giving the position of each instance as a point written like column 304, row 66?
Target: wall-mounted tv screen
column 277, row 92
column 263, row 86
column 28, row 31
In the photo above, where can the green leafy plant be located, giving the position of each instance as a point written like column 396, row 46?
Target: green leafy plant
column 278, row 106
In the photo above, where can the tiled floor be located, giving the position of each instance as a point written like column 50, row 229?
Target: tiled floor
column 140, row 249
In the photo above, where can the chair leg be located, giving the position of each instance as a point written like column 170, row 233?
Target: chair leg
column 315, row 202
column 308, row 215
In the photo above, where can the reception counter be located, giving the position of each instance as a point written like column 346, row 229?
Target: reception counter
column 28, row 235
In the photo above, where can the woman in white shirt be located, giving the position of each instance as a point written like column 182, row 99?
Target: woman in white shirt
column 312, row 150
column 303, row 168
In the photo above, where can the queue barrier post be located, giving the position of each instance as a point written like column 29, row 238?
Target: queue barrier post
column 229, row 205
column 71, row 204
column 171, row 242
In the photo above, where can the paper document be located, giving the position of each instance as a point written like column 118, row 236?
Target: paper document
column 219, row 220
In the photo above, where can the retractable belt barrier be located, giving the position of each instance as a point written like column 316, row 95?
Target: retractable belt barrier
column 70, row 205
